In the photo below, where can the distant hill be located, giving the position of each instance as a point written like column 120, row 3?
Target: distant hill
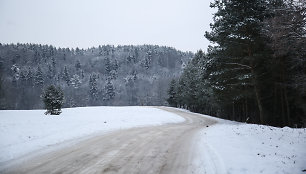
column 106, row 75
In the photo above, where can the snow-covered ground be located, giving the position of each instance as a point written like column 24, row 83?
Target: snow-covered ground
column 239, row 148
column 22, row 132
column 226, row 147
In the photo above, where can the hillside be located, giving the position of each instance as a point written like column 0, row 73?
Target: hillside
column 106, row 75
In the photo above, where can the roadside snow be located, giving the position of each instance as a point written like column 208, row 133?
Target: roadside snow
column 248, row 148
column 22, row 132
column 238, row 148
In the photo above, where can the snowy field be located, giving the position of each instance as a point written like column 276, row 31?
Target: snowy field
column 22, row 132
column 239, row 148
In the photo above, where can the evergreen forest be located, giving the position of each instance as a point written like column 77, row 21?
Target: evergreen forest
column 255, row 69
column 107, row 75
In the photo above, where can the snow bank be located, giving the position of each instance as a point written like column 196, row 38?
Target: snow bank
column 249, row 148
column 22, row 132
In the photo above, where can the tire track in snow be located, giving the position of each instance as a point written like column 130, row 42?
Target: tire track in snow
column 165, row 149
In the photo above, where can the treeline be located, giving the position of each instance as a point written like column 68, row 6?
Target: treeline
column 255, row 71
column 104, row 75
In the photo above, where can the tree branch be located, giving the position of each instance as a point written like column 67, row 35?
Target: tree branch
column 246, row 66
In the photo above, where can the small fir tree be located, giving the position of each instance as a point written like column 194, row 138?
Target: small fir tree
column 53, row 99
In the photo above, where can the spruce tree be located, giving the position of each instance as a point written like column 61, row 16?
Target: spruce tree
column 67, row 76
column 75, row 81
column 53, row 67
column 23, row 78
column 108, row 66
column 30, row 77
column 53, row 99
column 93, row 88
column 50, row 72
column 78, row 66
column 172, row 94
column 110, row 90
column 38, row 78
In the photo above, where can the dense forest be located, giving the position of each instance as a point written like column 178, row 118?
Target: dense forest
column 255, row 70
column 106, row 75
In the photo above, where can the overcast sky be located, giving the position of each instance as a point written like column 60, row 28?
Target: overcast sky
column 86, row 23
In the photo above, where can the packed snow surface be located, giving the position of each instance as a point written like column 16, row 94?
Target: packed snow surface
column 24, row 131
column 239, row 148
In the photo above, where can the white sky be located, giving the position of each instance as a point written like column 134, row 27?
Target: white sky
column 86, row 23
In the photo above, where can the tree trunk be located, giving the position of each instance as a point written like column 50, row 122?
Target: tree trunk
column 275, row 101
column 257, row 93
column 282, row 106
column 246, row 109
column 259, row 104
column 284, row 89
column 287, row 107
column 233, row 117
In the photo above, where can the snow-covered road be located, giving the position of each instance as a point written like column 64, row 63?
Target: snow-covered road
column 25, row 131
column 164, row 149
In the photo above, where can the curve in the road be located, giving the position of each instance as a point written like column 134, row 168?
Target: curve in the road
column 147, row 150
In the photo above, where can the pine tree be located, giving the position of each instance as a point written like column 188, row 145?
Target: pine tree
column 30, row 77
column 53, row 99
column 78, row 66
column 110, row 90
column 64, row 56
column 93, row 88
column 75, row 81
column 239, row 57
column 115, row 65
column 148, row 60
column 100, row 51
column 172, row 94
column 131, row 89
column 66, row 76
column 38, row 78
column 108, row 67
column 23, row 78
column 16, row 73
column 53, row 67
column 50, row 72
column 136, row 54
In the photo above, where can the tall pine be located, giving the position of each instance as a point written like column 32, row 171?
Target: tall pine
column 238, row 58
